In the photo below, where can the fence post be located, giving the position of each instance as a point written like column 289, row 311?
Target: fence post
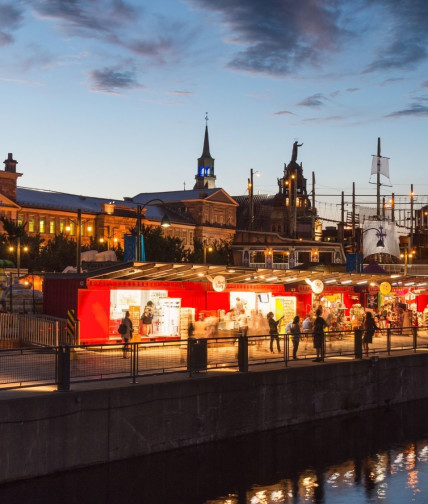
column 134, row 356
column 358, row 343
column 56, row 333
column 415, row 338
column 77, row 332
column 243, row 353
column 63, row 372
column 286, row 349
column 388, row 340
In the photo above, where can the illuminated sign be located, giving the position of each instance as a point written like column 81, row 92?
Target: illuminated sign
column 385, row 288
column 317, row 286
column 219, row 283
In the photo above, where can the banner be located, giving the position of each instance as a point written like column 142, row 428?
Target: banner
column 130, row 246
column 378, row 233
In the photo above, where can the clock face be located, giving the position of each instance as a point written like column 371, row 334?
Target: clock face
column 317, row 286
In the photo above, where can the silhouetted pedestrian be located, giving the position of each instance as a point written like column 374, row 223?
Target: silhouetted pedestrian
column 273, row 331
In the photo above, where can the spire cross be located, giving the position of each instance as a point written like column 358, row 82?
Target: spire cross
column 206, row 118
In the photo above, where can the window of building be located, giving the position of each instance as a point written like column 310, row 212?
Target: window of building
column 20, row 219
column 280, row 256
column 62, row 225
column 52, row 227
column 42, row 225
column 31, row 224
column 72, row 228
column 257, row 256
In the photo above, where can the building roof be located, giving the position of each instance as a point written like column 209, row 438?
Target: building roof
column 178, row 196
column 181, row 272
column 44, row 199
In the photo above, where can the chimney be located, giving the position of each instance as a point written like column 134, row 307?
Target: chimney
column 8, row 178
column 10, row 163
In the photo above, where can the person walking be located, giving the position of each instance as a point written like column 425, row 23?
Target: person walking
column 307, row 326
column 127, row 335
column 369, row 329
column 273, row 331
column 319, row 324
column 295, row 335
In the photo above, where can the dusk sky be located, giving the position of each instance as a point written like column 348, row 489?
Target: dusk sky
column 108, row 97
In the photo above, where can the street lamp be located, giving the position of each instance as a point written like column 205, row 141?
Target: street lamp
column 251, row 198
column 78, row 236
column 359, row 237
column 165, row 222
column 209, row 249
column 109, row 236
column 406, row 255
column 18, row 254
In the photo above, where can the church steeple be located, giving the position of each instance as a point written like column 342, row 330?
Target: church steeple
column 205, row 178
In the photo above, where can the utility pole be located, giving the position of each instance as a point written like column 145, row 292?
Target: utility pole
column 378, row 180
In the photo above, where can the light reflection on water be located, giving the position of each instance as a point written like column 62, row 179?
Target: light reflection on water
column 377, row 457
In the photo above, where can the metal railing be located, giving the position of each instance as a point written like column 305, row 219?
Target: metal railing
column 39, row 330
column 63, row 365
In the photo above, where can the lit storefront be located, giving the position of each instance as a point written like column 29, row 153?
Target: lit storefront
column 208, row 299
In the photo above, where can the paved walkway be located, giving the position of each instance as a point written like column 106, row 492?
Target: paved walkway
column 105, row 367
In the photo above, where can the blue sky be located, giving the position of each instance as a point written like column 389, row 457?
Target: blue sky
column 108, row 97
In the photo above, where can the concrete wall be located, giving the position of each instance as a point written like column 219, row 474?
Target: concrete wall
column 43, row 433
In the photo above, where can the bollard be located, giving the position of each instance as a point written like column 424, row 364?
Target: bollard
column 63, row 364
column 197, row 358
column 415, row 338
column 243, row 354
column 358, row 343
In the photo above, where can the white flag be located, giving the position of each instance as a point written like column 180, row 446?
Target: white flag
column 380, row 237
column 383, row 164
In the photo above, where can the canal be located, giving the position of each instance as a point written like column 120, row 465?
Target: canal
column 374, row 457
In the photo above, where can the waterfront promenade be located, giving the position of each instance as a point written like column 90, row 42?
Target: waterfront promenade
column 44, row 430
column 29, row 367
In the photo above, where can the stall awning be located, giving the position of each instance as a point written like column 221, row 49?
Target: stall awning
column 184, row 272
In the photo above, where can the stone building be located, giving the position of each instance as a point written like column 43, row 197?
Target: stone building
column 207, row 213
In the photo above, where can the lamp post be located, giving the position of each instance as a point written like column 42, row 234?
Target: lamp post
column 110, row 235
column 359, row 235
column 18, row 254
column 406, row 255
column 209, row 249
column 251, row 198
column 165, row 222
column 78, row 225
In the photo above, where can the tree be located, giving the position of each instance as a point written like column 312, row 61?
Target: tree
column 219, row 252
column 58, row 253
column 14, row 235
column 158, row 247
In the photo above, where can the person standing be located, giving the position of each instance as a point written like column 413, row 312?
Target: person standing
column 319, row 324
column 307, row 325
column 243, row 323
column 127, row 335
column 273, row 331
column 369, row 329
column 295, row 335
column 147, row 321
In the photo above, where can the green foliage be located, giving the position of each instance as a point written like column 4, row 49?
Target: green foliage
column 58, row 253
column 162, row 248
column 218, row 252
column 12, row 229
column 16, row 234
